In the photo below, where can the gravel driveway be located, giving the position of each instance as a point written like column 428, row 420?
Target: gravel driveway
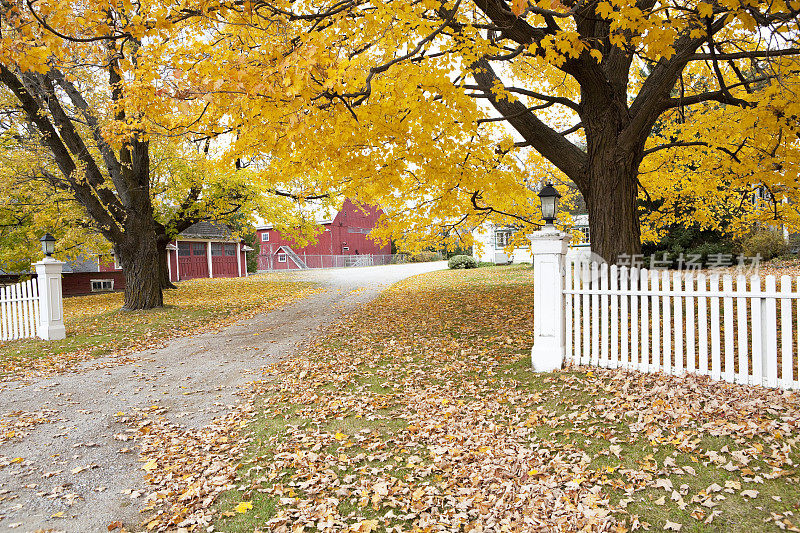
column 76, row 476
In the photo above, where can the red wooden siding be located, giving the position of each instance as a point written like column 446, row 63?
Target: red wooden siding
column 347, row 234
column 79, row 283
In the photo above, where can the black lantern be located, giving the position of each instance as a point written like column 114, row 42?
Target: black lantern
column 549, row 196
column 48, row 244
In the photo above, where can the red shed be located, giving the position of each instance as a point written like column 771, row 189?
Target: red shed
column 344, row 242
column 206, row 250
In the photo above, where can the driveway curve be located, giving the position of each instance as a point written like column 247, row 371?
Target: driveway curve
column 75, row 472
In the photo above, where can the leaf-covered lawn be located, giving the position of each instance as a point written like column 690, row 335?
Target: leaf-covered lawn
column 422, row 414
column 96, row 325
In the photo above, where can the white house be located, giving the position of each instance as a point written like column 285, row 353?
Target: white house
column 491, row 241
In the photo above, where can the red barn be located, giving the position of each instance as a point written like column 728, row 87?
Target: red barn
column 344, row 242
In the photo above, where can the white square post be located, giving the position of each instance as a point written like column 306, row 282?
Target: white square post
column 549, row 247
column 51, row 302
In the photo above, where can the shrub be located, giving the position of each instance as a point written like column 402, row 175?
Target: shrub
column 689, row 241
column 462, row 261
column 767, row 243
column 426, row 256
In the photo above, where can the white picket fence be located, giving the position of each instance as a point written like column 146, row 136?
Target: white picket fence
column 19, row 310
column 679, row 322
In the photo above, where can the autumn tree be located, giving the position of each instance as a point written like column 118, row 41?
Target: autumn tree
column 75, row 78
column 580, row 83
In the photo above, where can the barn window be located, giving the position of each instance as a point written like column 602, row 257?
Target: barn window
column 230, row 250
column 216, row 249
column 101, row 285
column 198, row 248
column 184, row 249
column 281, row 258
column 264, row 237
column 345, row 248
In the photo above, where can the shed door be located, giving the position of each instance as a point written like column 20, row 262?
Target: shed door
column 223, row 259
column 192, row 260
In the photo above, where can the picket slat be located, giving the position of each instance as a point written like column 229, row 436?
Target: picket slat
column 634, row 285
column 586, row 325
column 624, row 281
column 32, row 308
column 36, row 308
column 666, row 352
column 691, row 361
column 787, row 374
column 14, row 312
column 677, row 304
column 614, row 288
column 604, row 362
column 741, row 331
column 576, row 313
column 716, row 348
column 727, row 309
column 655, row 327
column 702, row 325
column 23, row 308
column 757, row 307
column 644, row 360
column 797, row 326
column 4, row 316
column 568, row 303
column 595, row 357
column 770, row 335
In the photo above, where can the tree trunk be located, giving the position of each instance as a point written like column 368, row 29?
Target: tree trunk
column 613, row 215
column 139, row 257
column 610, row 184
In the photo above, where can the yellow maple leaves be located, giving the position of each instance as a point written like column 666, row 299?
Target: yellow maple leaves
column 243, row 507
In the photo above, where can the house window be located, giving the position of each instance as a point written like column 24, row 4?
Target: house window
column 281, row 258
column 216, row 249
column 198, row 248
column 230, row 250
column 184, row 249
column 502, row 238
column 264, row 237
column 583, row 234
column 102, row 285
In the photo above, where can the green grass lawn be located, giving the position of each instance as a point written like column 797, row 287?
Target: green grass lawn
column 97, row 326
column 422, row 414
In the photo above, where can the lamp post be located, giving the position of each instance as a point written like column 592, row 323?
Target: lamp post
column 549, row 197
column 549, row 248
column 48, row 278
column 48, row 244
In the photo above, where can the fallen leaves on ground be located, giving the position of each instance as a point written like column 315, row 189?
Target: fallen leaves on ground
column 96, row 325
column 421, row 414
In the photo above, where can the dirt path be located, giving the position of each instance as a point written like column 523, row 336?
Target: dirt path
column 77, row 474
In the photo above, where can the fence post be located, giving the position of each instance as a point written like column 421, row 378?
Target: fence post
column 51, row 304
column 548, row 247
